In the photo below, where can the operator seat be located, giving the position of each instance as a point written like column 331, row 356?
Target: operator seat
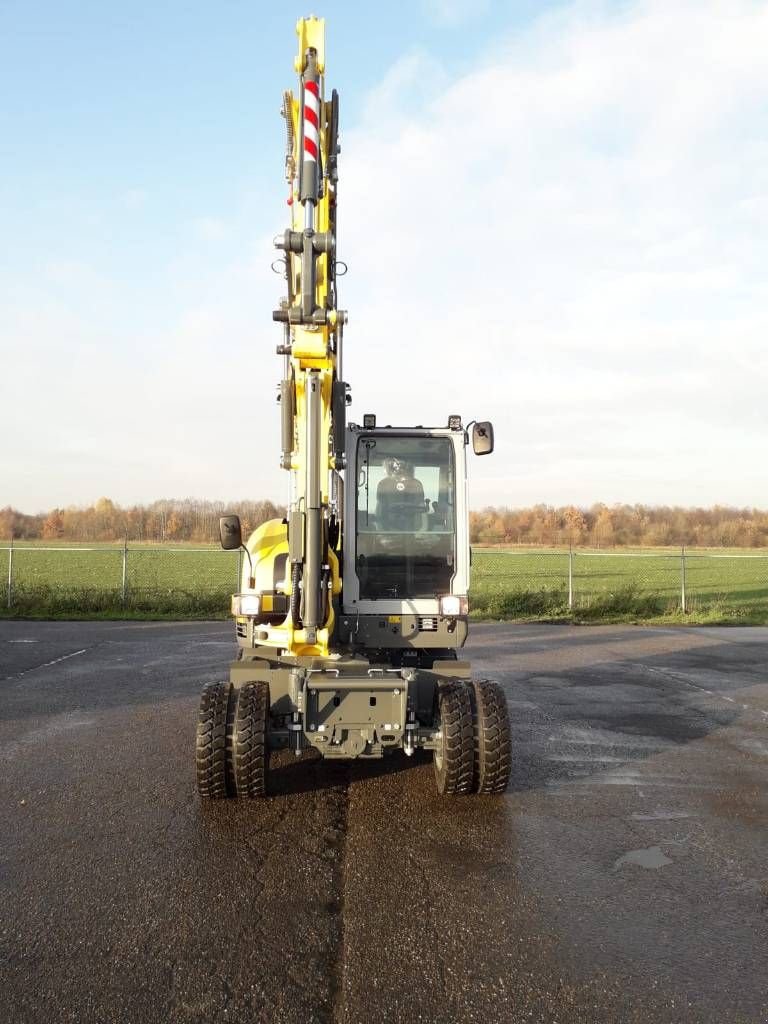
column 400, row 499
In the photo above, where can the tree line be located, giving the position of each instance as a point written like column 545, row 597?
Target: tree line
column 603, row 526
column 599, row 526
column 160, row 522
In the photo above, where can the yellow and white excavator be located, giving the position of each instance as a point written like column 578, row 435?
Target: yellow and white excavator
column 352, row 609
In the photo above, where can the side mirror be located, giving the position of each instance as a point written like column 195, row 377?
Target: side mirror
column 482, row 438
column 230, row 532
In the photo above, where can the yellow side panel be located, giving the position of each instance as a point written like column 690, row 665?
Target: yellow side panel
column 265, row 544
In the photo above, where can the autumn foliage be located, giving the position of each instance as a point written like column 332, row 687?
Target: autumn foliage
column 161, row 522
column 599, row 526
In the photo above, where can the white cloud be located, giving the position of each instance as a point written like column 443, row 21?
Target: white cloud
column 93, row 407
column 568, row 238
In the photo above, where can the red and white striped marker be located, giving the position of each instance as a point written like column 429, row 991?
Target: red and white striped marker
column 311, row 120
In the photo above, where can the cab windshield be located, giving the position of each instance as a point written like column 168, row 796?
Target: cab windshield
column 405, row 516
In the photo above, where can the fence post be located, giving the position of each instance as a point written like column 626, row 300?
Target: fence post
column 10, row 571
column 125, row 570
column 570, row 577
column 682, row 579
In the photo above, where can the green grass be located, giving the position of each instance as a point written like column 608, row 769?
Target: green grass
column 147, row 568
column 187, row 581
column 721, row 586
column 45, row 602
column 160, row 582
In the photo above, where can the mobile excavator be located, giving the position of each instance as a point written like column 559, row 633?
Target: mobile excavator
column 352, row 609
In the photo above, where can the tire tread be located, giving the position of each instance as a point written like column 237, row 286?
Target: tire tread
column 455, row 707
column 493, row 745
column 250, row 749
column 211, row 742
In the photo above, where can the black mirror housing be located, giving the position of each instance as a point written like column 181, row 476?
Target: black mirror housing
column 482, row 438
column 230, row 532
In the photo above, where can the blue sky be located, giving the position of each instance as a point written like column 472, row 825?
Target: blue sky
column 586, row 267
column 120, row 123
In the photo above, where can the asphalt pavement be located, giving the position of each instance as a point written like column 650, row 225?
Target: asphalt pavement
column 622, row 877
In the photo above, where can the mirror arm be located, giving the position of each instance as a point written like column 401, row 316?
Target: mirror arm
column 466, row 431
column 251, row 578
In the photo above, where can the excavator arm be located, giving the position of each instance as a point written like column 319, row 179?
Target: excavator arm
column 312, row 396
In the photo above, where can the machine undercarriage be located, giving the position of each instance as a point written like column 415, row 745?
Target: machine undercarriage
column 352, row 709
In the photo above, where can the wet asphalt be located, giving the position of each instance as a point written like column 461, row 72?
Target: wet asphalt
column 621, row 878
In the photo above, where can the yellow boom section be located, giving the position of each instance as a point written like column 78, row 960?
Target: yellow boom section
column 311, row 346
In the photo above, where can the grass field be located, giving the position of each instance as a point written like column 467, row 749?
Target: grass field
column 726, row 584
column 175, row 581
column 147, row 567
column 192, row 581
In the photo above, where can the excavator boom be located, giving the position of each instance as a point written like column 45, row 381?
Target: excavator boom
column 313, row 399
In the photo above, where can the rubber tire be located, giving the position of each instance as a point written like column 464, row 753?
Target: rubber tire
column 454, row 763
column 250, row 747
column 493, row 746
column 211, row 742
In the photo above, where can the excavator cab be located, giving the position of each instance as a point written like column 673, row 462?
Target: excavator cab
column 406, row 538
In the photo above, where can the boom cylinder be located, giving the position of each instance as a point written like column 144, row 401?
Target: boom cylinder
column 287, row 413
column 308, row 272
column 310, row 132
column 313, row 554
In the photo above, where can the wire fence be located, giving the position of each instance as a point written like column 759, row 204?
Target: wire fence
column 202, row 578
column 683, row 579
column 128, row 575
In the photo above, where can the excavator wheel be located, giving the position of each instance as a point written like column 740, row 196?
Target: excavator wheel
column 493, row 754
column 454, row 756
column 211, row 744
column 250, row 749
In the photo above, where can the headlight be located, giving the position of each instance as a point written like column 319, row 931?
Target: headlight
column 453, row 604
column 246, row 604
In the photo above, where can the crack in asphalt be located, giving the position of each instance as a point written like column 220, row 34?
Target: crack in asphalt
column 680, row 678
column 338, row 968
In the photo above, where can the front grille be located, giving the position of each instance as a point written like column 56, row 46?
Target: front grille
column 428, row 624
